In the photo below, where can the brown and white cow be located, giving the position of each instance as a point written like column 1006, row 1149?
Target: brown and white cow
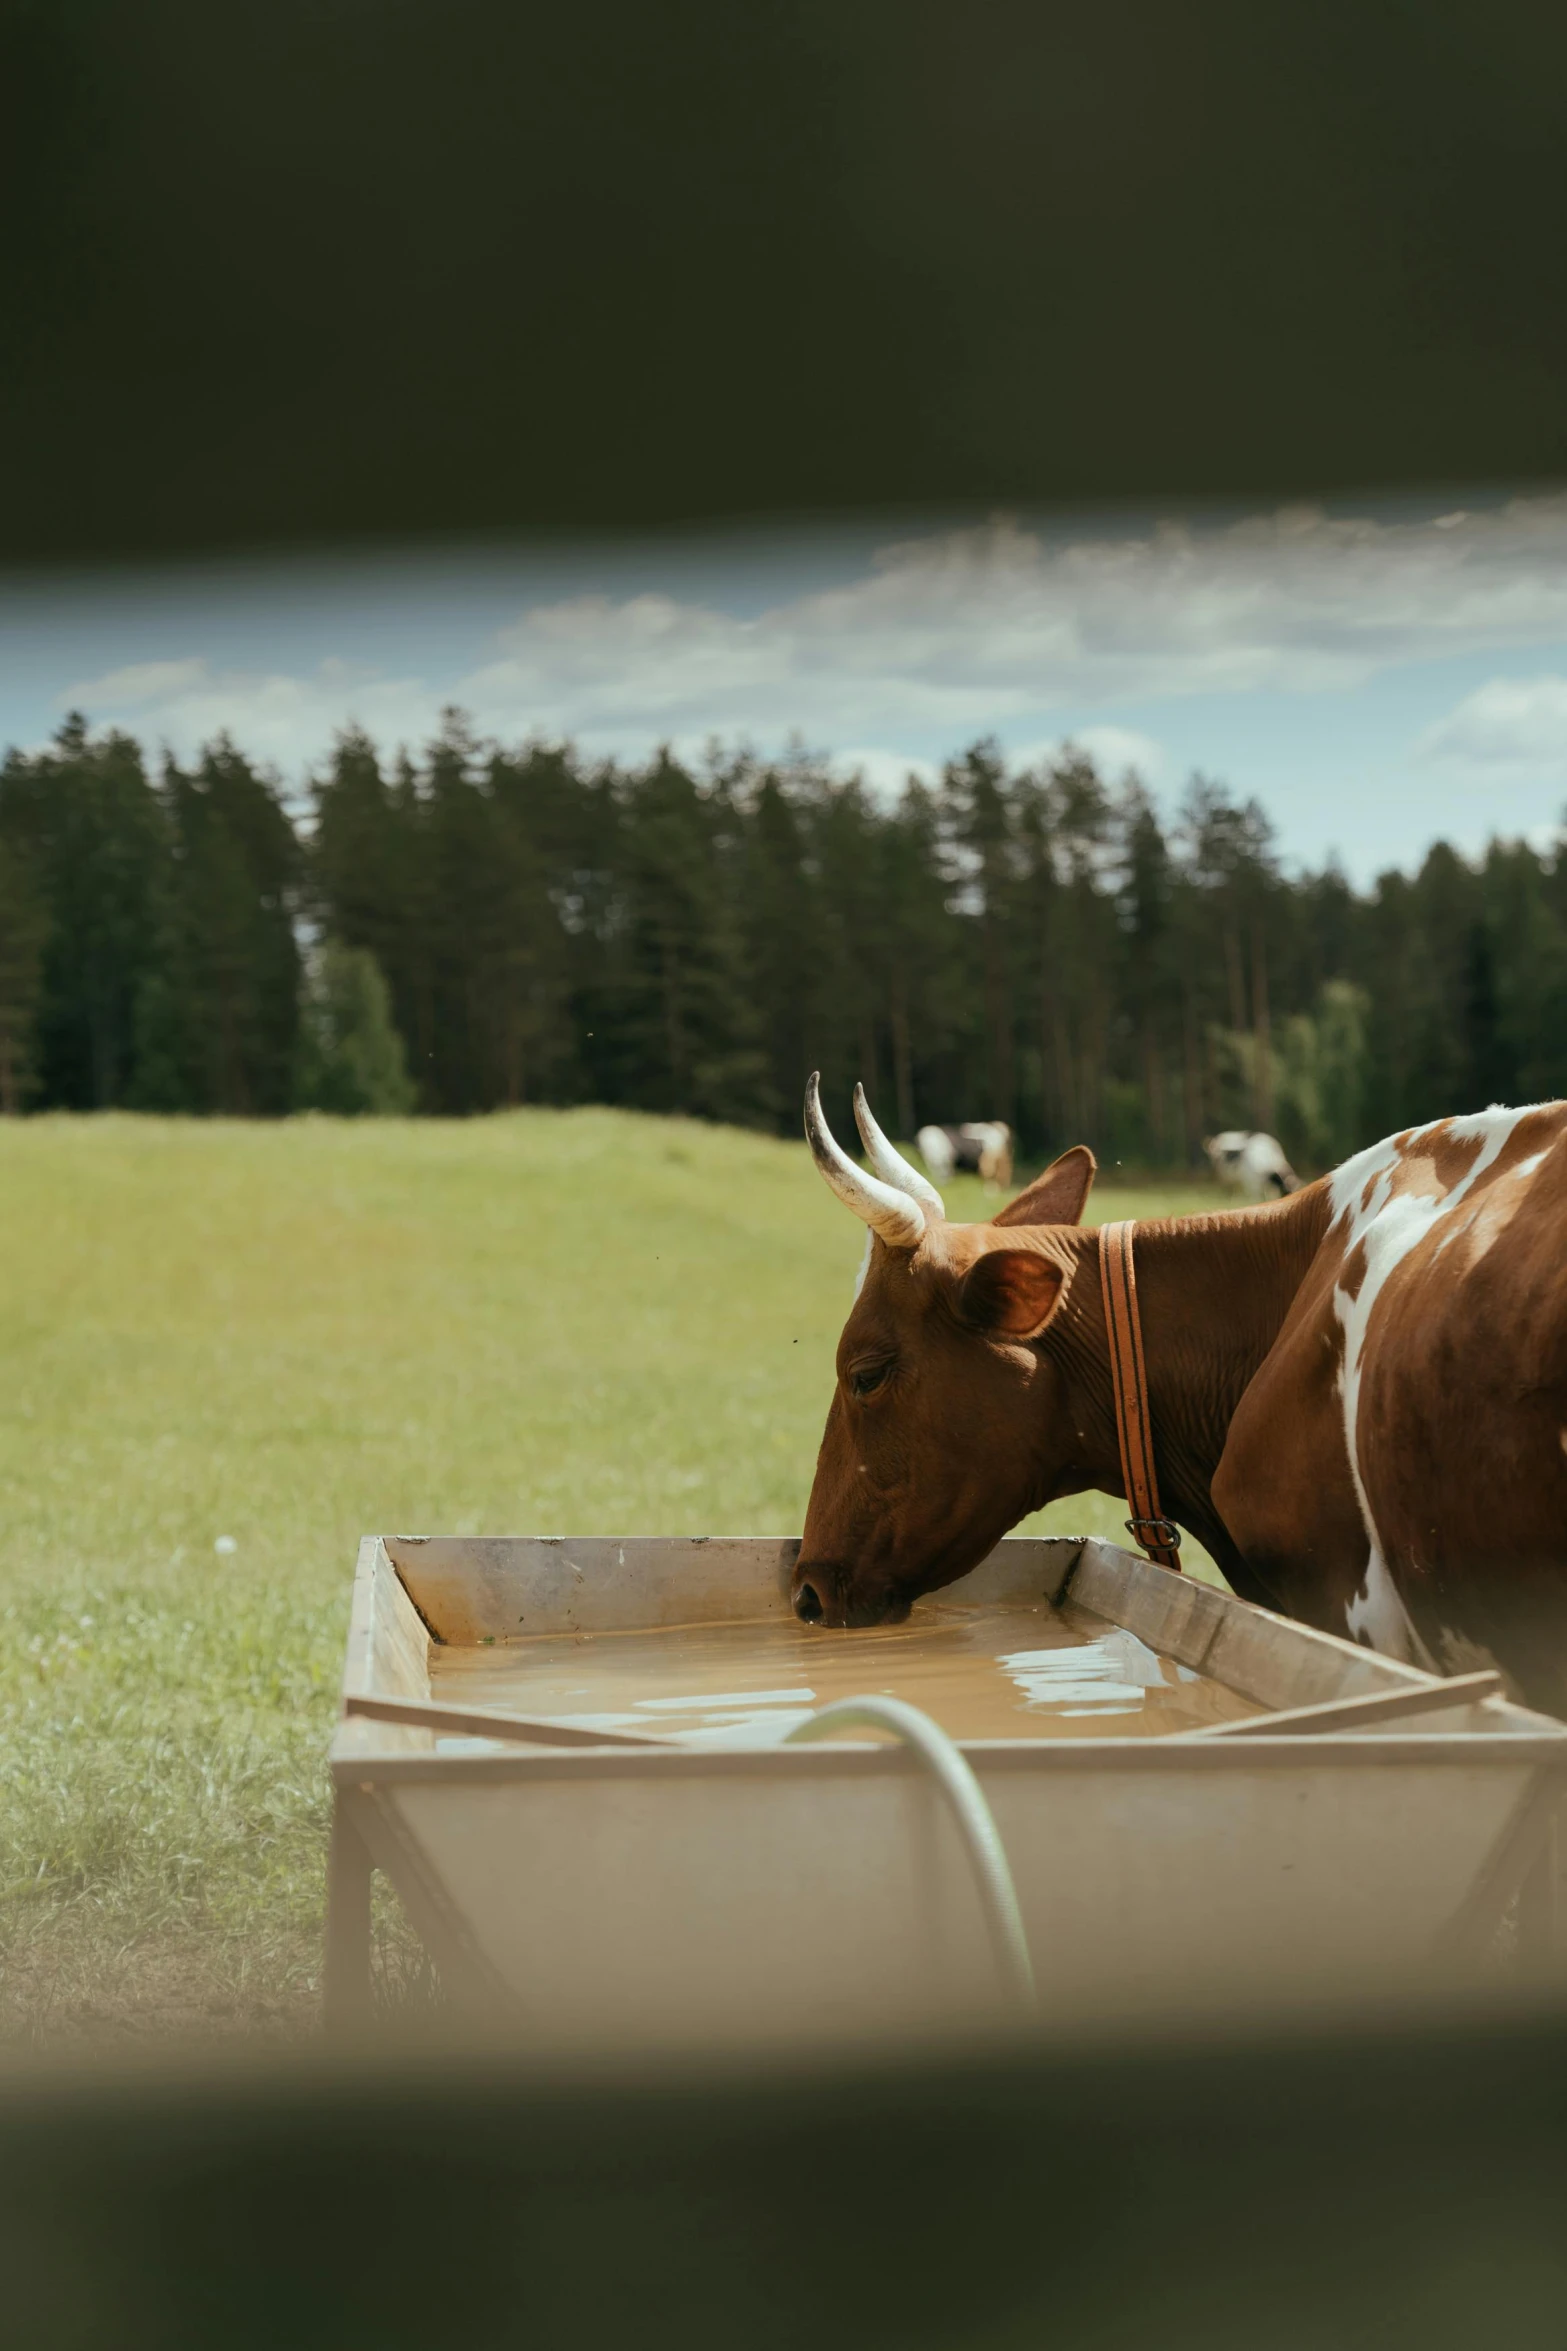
column 1251, row 1164
column 982, row 1148
column 1358, row 1393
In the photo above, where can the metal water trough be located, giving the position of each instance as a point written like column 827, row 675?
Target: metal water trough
column 1369, row 1834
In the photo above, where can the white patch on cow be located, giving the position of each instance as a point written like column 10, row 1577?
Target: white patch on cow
column 1377, row 1616
column 1455, row 1232
column 1389, row 1228
column 865, row 1264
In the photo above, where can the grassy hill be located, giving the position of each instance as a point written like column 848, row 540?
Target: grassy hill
column 229, row 1349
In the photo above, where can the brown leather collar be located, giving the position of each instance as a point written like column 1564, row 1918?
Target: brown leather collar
column 1148, row 1526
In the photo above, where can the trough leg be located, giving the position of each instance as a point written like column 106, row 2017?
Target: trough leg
column 346, row 1974
column 1520, row 1875
column 1539, row 1907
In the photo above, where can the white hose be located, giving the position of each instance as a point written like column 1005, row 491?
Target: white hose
column 976, row 1824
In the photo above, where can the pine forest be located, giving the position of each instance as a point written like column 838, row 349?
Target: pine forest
column 481, row 927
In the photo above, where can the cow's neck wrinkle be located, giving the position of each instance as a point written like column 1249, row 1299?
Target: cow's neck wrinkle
column 1212, row 1295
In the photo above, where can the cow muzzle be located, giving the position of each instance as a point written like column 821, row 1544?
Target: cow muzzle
column 823, row 1594
column 814, row 1595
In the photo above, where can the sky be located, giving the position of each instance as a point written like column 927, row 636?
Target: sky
column 1378, row 676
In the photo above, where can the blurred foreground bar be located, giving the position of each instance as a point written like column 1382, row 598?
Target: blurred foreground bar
column 324, row 270
column 1387, row 2186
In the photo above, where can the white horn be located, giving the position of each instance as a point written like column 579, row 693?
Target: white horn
column 897, row 1219
column 891, row 1165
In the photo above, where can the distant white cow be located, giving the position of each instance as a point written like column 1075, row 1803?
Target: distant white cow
column 1252, row 1165
column 983, row 1148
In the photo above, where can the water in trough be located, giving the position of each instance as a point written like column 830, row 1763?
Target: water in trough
column 1019, row 1669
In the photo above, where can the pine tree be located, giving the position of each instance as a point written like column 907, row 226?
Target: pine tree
column 689, row 1036
column 1080, row 826
column 223, row 1007
column 978, row 815
column 24, row 929
column 1149, row 988
column 783, row 922
column 95, row 840
column 922, row 961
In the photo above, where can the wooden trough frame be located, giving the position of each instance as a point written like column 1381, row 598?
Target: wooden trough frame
column 1368, row 1833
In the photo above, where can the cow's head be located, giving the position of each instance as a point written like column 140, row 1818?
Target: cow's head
column 949, row 1420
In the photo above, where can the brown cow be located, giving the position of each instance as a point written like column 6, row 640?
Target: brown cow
column 1358, row 1394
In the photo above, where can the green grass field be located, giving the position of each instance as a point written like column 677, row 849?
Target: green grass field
column 274, row 1338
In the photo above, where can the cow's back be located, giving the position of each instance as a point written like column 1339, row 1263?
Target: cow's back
column 1414, row 1407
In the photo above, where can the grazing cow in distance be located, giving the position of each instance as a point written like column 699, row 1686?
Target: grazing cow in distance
column 982, row 1148
column 1252, row 1165
column 1357, row 1394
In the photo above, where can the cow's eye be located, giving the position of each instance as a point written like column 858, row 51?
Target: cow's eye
column 868, row 1378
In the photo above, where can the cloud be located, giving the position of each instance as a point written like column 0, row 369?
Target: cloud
column 940, row 638
column 1113, row 749
column 1118, row 748
column 143, row 683
column 975, row 627
column 885, row 772
column 275, row 716
column 1506, row 723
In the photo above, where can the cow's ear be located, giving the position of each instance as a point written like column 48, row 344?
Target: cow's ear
column 1057, row 1196
column 1011, row 1293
